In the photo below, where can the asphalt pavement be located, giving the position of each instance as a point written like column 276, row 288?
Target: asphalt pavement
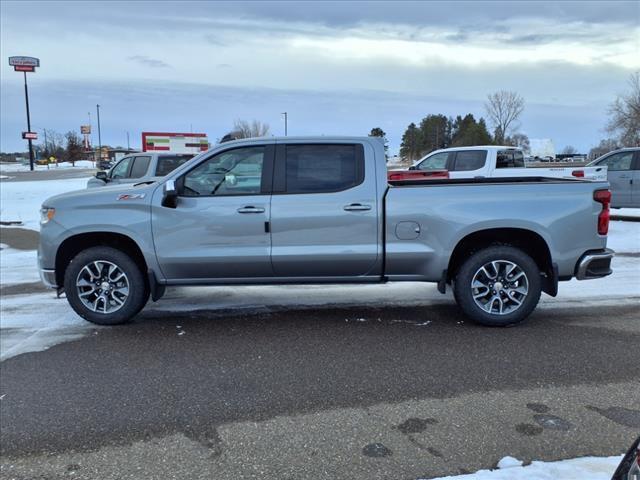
column 358, row 393
column 42, row 174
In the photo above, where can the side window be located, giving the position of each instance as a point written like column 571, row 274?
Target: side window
column 435, row 162
column 121, row 170
column 233, row 172
column 618, row 161
column 140, row 166
column 470, row 160
column 509, row 159
column 323, row 168
column 168, row 163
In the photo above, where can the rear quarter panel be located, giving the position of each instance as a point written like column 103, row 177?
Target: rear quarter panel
column 564, row 214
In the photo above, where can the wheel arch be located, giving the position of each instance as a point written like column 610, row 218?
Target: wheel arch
column 75, row 244
column 532, row 243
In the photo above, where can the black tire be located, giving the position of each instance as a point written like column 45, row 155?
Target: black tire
column 463, row 291
column 138, row 293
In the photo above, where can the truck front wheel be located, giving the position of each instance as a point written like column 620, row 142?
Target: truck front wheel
column 105, row 286
column 498, row 286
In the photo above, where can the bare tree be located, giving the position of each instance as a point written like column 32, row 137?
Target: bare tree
column 605, row 146
column 519, row 140
column 569, row 150
column 503, row 108
column 624, row 113
column 73, row 152
column 244, row 129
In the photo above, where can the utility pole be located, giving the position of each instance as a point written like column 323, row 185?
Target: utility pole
column 99, row 136
column 285, row 123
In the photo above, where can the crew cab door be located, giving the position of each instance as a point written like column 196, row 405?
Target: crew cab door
column 324, row 211
column 219, row 227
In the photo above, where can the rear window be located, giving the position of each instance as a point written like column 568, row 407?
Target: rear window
column 509, row 159
column 323, row 168
column 168, row 163
column 470, row 160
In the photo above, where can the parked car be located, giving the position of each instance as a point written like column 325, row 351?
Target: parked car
column 623, row 173
column 497, row 161
column 139, row 167
column 321, row 210
column 629, row 468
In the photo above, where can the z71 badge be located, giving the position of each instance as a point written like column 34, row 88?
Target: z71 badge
column 131, row 196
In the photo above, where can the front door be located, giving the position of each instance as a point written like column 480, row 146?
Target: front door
column 219, row 228
column 324, row 212
column 620, row 176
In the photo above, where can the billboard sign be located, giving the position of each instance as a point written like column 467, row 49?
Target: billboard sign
column 30, row 135
column 85, row 129
column 174, row 142
column 24, row 64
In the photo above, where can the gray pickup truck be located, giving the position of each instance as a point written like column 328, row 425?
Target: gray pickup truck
column 320, row 210
column 139, row 167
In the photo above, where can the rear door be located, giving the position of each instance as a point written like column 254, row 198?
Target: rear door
column 620, row 176
column 635, row 182
column 324, row 211
column 468, row 164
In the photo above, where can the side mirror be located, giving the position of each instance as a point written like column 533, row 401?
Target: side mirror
column 102, row 176
column 413, row 167
column 170, row 194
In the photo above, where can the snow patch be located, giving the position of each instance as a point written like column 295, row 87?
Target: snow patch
column 584, row 468
column 509, row 462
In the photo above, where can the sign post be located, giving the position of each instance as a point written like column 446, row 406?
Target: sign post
column 24, row 65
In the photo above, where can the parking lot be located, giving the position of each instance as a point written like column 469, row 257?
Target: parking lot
column 358, row 382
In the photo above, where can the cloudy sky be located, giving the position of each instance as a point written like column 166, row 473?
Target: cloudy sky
column 335, row 67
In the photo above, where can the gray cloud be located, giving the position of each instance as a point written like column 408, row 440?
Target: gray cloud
column 148, row 61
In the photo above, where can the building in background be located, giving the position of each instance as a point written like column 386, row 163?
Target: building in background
column 174, row 142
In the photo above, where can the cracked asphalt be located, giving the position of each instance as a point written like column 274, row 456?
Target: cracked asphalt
column 400, row 393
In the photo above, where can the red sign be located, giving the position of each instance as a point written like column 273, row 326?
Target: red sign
column 30, row 135
column 24, row 68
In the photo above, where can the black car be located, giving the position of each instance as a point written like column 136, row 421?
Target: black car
column 629, row 468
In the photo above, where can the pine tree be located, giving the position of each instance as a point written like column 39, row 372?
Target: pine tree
column 410, row 146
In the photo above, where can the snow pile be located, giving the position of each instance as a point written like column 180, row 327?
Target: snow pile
column 21, row 201
column 585, row 468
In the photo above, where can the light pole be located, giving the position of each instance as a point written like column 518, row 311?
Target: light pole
column 285, row 123
column 99, row 136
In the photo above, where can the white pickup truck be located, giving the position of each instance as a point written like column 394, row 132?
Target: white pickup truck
column 498, row 161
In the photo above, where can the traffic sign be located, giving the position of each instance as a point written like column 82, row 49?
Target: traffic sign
column 30, row 135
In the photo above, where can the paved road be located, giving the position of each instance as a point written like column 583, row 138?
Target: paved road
column 323, row 393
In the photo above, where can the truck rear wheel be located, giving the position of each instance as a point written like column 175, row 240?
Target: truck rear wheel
column 498, row 286
column 105, row 286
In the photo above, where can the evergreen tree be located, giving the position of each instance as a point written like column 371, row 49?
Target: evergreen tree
column 467, row 132
column 435, row 133
column 410, row 146
column 378, row 132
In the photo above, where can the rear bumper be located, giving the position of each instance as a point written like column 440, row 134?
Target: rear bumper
column 594, row 264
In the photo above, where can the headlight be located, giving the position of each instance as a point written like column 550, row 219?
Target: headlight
column 46, row 214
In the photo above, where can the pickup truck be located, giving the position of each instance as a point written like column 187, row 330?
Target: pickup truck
column 623, row 173
column 139, row 167
column 498, row 161
column 321, row 210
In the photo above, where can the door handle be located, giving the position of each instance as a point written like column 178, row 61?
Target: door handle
column 357, row 207
column 251, row 209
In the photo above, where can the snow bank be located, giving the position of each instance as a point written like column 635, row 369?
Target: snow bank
column 21, row 201
column 585, row 468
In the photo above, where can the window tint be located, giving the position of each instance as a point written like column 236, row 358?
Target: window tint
column 470, row 160
column 121, row 170
column 234, row 172
column 140, row 166
column 618, row 161
column 168, row 163
column 323, row 168
column 509, row 159
column 435, row 162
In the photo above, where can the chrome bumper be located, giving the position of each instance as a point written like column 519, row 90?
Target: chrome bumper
column 48, row 277
column 594, row 264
